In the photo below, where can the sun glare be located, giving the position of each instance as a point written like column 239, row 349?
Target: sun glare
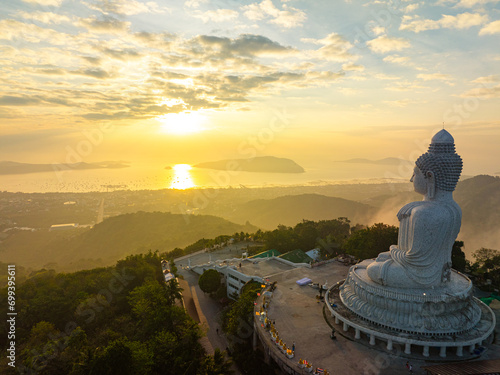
column 182, row 178
column 182, row 123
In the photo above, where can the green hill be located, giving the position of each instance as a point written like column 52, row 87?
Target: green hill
column 114, row 239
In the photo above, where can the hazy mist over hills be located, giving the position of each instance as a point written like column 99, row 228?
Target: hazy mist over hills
column 267, row 164
column 11, row 167
column 113, row 239
column 184, row 219
column 292, row 209
column 479, row 199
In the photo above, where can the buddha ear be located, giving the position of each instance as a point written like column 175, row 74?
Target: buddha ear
column 431, row 184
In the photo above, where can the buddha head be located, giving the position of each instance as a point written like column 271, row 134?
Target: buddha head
column 439, row 168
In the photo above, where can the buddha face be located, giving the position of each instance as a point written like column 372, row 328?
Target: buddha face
column 419, row 181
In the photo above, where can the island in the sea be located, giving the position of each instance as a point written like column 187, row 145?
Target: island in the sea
column 262, row 164
column 11, row 167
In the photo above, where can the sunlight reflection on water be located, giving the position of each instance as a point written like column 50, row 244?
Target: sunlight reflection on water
column 182, row 178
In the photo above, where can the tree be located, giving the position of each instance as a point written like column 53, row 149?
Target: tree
column 151, row 306
column 458, row 260
column 173, row 267
column 487, row 267
column 238, row 319
column 307, row 235
column 237, row 323
column 487, row 259
column 115, row 359
column 282, row 239
column 209, row 281
column 173, row 291
column 176, row 352
column 368, row 243
column 215, row 365
column 175, row 253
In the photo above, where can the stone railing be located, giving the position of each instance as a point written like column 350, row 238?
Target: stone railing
column 271, row 350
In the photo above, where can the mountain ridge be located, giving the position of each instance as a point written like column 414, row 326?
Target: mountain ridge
column 115, row 238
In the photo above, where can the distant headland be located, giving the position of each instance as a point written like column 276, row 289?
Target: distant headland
column 262, row 164
column 12, row 167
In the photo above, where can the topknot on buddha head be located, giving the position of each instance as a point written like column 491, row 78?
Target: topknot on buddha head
column 442, row 160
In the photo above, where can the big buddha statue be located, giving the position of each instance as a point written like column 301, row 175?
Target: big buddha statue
column 412, row 287
column 427, row 228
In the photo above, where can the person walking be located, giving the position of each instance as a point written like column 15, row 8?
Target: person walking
column 409, row 367
column 293, row 347
column 332, row 335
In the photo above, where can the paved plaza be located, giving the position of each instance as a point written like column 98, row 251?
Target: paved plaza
column 300, row 318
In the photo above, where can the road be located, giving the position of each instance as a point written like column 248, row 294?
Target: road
column 211, row 309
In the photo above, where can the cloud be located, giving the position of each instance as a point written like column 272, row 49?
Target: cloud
column 397, row 59
column 384, row 44
column 378, row 30
column 45, row 2
column 383, row 76
column 123, row 54
column 353, row 67
column 435, row 77
column 43, row 17
column 12, row 29
column 488, row 79
column 9, row 100
column 135, row 75
column 472, row 3
column 334, row 48
column 406, row 86
column 91, row 59
column 162, row 41
column 195, row 3
column 287, row 17
column 412, row 7
column 491, row 28
column 323, row 77
column 97, row 73
column 460, row 21
column 219, row 15
column 126, row 7
column 248, row 45
column 106, row 24
column 483, row 92
column 51, row 71
column 400, row 103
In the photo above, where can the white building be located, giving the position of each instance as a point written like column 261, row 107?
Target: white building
column 63, row 226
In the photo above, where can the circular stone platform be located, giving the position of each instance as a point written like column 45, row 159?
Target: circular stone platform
column 432, row 311
column 474, row 337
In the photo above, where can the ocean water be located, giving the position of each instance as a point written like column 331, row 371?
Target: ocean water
column 185, row 177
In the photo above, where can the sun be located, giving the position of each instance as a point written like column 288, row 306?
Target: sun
column 182, row 123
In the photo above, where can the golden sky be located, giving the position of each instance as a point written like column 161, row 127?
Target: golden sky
column 189, row 81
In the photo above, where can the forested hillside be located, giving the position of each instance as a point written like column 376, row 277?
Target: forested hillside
column 114, row 320
column 114, row 238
